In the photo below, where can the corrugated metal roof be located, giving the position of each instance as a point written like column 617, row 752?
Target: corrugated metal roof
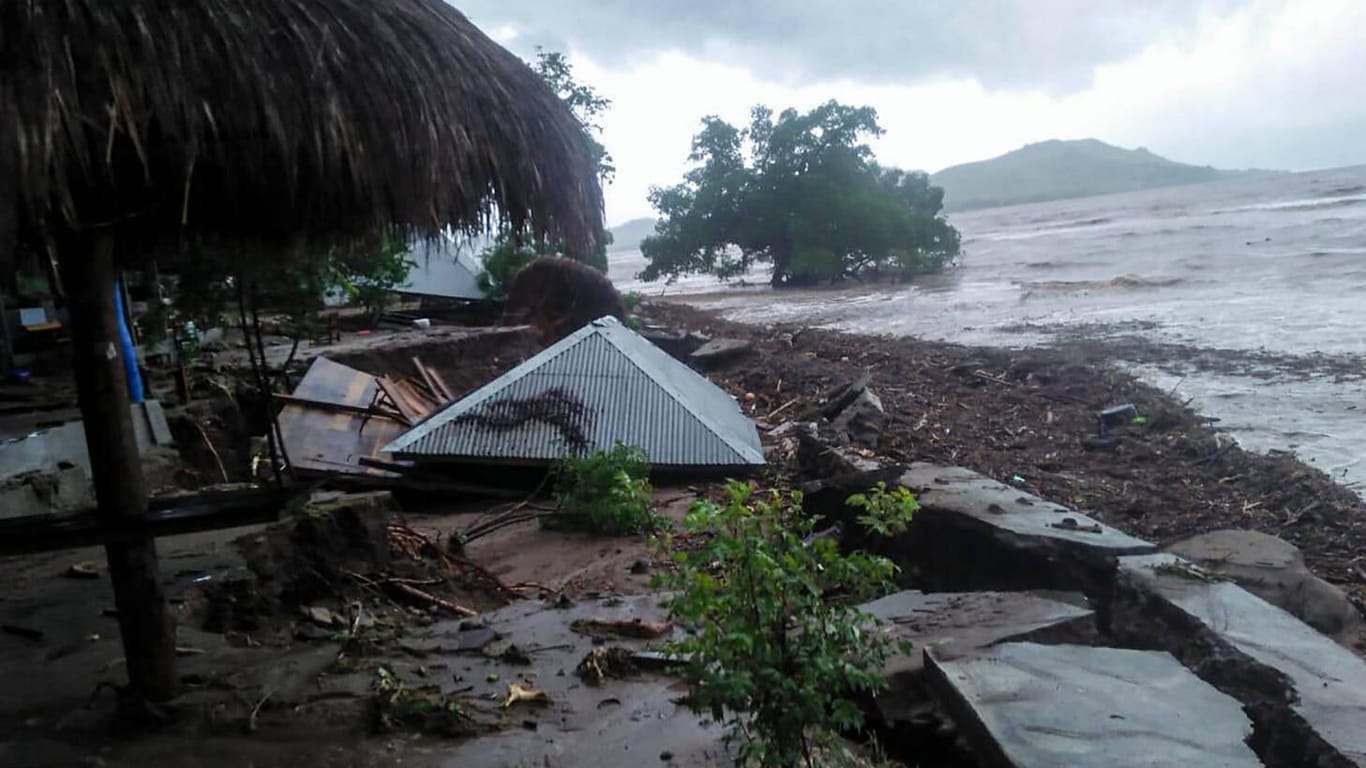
column 631, row 391
column 443, row 269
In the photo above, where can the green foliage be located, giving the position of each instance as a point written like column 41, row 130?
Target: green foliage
column 502, row 261
column 810, row 200
column 586, row 104
column 779, row 650
column 606, row 492
column 511, row 251
column 368, row 275
column 886, row 513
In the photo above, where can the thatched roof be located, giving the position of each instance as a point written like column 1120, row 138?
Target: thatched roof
column 280, row 121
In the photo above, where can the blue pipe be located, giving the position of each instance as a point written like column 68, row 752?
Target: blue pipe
column 130, row 358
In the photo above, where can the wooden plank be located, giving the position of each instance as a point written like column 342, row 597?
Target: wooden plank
column 418, row 400
column 156, row 419
column 446, row 394
column 426, row 376
column 434, row 381
column 359, row 410
column 170, row 517
column 389, row 387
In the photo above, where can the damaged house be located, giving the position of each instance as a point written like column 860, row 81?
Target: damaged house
column 602, row 385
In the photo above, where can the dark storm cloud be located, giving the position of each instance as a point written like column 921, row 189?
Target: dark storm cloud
column 1048, row 44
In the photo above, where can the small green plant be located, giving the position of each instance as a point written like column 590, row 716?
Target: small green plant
column 606, row 492
column 779, row 648
column 886, row 513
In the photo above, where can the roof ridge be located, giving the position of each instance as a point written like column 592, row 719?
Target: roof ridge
column 517, row 373
column 702, row 418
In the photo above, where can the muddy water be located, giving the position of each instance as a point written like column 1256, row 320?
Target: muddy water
column 1209, row 280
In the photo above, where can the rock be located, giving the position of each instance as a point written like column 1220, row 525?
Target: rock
column 863, row 420
column 819, row 455
column 641, row 565
column 319, row 615
column 721, row 350
column 837, row 400
column 1039, row 706
column 1306, row 693
column 83, row 570
column 1274, row 570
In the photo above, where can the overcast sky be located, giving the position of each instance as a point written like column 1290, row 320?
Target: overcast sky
column 1230, row 83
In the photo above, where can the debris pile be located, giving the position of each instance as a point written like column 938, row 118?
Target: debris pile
column 342, row 556
column 1030, row 419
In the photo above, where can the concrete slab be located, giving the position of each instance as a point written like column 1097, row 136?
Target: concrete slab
column 959, row 491
column 1308, row 692
column 973, row 533
column 1026, row 705
column 958, row 623
column 55, row 451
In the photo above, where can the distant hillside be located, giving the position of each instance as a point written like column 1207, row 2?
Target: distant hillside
column 627, row 236
column 1054, row 170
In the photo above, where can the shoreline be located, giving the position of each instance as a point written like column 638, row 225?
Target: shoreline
column 1021, row 415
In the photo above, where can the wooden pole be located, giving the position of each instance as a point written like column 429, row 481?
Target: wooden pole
column 148, row 630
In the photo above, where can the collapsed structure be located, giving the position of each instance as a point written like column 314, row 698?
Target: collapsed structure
column 602, row 385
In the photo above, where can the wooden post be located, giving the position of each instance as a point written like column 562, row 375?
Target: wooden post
column 148, row 630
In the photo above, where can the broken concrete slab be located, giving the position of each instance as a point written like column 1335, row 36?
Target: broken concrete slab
column 863, row 420
column 1274, row 570
column 718, row 351
column 65, row 490
column 1026, row 705
column 57, row 450
column 955, row 624
column 959, row 623
column 973, row 532
column 1306, row 693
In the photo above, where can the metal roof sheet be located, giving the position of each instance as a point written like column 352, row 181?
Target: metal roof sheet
column 442, row 268
column 631, row 391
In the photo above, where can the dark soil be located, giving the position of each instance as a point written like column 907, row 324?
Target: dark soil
column 1029, row 419
column 465, row 364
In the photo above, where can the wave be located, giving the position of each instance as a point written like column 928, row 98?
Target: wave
column 1123, row 282
column 1303, row 204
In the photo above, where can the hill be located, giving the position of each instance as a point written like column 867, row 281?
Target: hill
column 627, row 236
column 1054, row 170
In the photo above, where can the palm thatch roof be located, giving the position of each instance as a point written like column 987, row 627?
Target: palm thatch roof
column 279, row 122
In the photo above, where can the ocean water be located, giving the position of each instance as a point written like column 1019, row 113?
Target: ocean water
column 1269, row 266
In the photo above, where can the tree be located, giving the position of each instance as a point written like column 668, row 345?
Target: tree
column 511, row 251
column 811, row 200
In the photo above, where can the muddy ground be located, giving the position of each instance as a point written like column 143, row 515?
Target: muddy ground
column 1028, row 418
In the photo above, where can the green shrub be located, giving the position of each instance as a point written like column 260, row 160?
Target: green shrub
column 779, row 649
column 886, row 513
column 605, row 492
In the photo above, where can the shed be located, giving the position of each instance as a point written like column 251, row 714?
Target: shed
column 601, row 385
column 444, row 270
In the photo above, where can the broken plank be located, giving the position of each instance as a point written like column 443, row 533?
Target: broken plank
column 390, row 388
column 429, row 378
column 323, row 405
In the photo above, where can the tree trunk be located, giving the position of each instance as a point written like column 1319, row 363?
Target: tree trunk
column 87, row 269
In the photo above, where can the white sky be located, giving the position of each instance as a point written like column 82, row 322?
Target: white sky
column 1262, row 83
